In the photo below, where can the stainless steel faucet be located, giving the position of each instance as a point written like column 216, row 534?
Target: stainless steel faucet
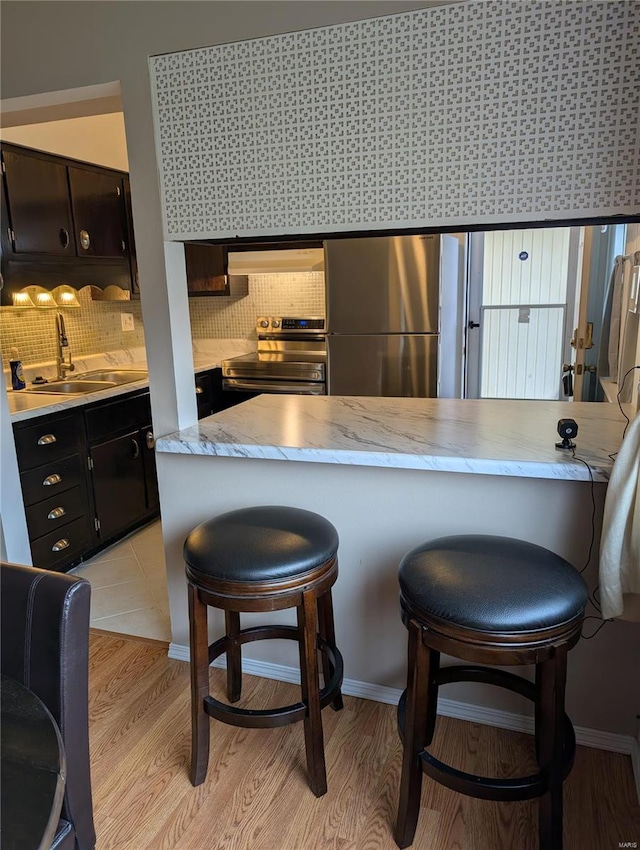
column 62, row 342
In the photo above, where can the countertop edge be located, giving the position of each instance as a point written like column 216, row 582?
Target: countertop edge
column 561, row 471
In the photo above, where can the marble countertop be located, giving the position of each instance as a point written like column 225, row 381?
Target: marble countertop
column 207, row 354
column 486, row 436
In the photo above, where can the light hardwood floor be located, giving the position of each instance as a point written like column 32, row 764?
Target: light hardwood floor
column 255, row 796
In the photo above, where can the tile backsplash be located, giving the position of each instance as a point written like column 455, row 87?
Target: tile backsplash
column 92, row 328
column 292, row 294
column 95, row 327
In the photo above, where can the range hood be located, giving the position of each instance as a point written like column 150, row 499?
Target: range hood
column 286, row 260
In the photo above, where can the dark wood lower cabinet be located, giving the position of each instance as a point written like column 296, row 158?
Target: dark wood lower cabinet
column 55, row 491
column 122, row 463
column 119, row 486
column 87, row 478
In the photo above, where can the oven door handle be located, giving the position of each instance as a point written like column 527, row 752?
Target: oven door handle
column 294, row 387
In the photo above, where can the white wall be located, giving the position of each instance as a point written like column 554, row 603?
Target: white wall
column 96, row 138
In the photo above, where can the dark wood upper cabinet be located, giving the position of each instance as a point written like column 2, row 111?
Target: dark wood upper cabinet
column 207, row 272
column 63, row 221
column 39, row 205
column 98, row 213
column 206, row 269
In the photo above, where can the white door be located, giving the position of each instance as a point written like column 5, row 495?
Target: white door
column 520, row 312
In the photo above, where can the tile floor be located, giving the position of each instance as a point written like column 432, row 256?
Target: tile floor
column 129, row 587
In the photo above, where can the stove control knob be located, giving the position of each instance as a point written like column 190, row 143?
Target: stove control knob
column 275, row 323
column 263, row 323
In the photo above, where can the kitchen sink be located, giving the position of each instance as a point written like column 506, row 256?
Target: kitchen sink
column 115, row 376
column 78, row 387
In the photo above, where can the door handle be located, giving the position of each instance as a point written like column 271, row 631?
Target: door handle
column 136, row 448
column 567, row 379
column 148, row 438
column 473, row 324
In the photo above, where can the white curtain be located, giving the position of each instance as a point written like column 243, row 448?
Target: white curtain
column 608, row 351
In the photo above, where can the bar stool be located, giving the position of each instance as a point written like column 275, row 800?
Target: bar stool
column 263, row 558
column 492, row 600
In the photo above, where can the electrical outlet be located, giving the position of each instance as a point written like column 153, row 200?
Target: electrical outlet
column 127, row 321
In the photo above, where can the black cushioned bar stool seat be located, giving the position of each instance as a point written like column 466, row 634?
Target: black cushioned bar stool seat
column 497, row 601
column 264, row 558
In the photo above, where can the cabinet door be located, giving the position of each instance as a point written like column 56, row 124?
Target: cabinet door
column 39, row 207
column 204, row 397
column 98, row 213
column 119, row 483
column 206, row 269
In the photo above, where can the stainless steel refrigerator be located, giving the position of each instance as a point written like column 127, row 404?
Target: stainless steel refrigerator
column 383, row 311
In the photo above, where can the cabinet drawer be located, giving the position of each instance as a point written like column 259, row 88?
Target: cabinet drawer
column 47, row 441
column 56, row 511
column 61, row 547
column 51, row 478
column 117, row 417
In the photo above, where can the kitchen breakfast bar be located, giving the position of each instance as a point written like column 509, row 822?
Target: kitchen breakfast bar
column 391, row 473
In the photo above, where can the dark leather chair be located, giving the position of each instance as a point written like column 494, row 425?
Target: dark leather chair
column 45, row 645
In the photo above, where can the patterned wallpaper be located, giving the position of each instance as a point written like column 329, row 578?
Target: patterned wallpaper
column 481, row 111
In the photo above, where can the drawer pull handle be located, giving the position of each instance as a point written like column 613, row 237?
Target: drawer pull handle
column 52, row 479
column 47, row 439
column 149, row 440
column 61, row 544
column 199, row 390
column 56, row 513
column 136, row 448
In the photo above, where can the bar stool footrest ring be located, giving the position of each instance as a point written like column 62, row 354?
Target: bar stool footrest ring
column 487, row 788
column 269, row 718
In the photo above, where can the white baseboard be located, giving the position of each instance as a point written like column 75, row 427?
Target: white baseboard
column 595, row 738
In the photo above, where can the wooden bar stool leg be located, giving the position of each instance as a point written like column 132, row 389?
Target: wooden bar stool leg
column 234, row 657
column 310, row 683
column 199, row 664
column 538, row 711
column 416, row 725
column 327, row 631
column 553, row 674
column 432, row 700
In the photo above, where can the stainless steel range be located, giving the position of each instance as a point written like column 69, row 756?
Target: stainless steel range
column 291, row 358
